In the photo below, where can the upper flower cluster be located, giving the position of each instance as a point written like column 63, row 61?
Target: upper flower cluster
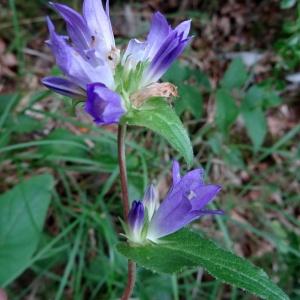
column 185, row 202
column 95, row 69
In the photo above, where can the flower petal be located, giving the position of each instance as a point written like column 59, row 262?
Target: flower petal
column 202, row 195
column 179, row 192
column 151, row 200
column 134, row 53
column 165, row 45
column 167, row 219
column 99, row 24
column 136, row 216
column 184, row 27
column 159, row 30
column 76, row 26
column 74, row 65
column 183, row 204
column 64, row 87
column 176, row 172
column 104, row 105
column 168, row 52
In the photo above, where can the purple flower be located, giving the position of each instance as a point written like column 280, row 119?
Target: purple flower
column 104, row 105
column 86, row 57
column 150, row 200
column 136, row 221
column 91, row 63
column 162, row 46
column 184, row 203
column 65, row 87
column 91, row 34
column 77, row 68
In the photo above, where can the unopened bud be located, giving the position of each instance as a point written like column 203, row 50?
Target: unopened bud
column 136, row 221
column 150, row 200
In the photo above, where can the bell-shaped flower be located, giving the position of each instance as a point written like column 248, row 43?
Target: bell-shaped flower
column 162, row 46
column 85, row 60
column 184, row 203
column 90, row 34
column 104, row 105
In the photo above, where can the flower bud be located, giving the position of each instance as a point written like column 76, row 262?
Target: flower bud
column 150, row 200
column 136, row 221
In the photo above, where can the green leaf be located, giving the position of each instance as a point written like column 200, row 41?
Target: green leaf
column 233, row 157
column 22, row 214
column 157, row 115
column 256, row 125
column 189, row 249
column 190, row 99
column 226, row 111
column 271, row 99
column 201, row 79
column 235, row 76
column 253, row 115
column 254, row 97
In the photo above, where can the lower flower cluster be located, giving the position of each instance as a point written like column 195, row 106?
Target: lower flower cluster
column 184, row 203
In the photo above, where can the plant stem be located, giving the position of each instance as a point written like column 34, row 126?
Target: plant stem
column 124, row 188
column 122, row 167
column 130, row 280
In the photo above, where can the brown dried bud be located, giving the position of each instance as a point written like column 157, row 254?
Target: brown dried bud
column 165, row 89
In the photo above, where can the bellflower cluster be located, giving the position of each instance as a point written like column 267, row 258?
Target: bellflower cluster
column 184, row 203
column 94, row 70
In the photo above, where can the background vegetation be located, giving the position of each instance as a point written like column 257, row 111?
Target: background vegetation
column 239, row 91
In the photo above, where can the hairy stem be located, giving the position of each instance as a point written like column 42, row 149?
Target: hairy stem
column 124, row 188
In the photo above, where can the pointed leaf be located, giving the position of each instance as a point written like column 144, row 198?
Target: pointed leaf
column 235, row 76
column 157, row 115
column 253, row 115
column 22, row 214
column 226, row 111
column 189, row 249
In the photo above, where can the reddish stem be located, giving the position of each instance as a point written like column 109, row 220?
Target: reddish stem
column 124, row 189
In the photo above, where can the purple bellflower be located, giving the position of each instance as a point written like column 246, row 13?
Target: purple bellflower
column 184, row 203
column 95, row 72
column 87, row 58
column 103, row 104
column 162, row 46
